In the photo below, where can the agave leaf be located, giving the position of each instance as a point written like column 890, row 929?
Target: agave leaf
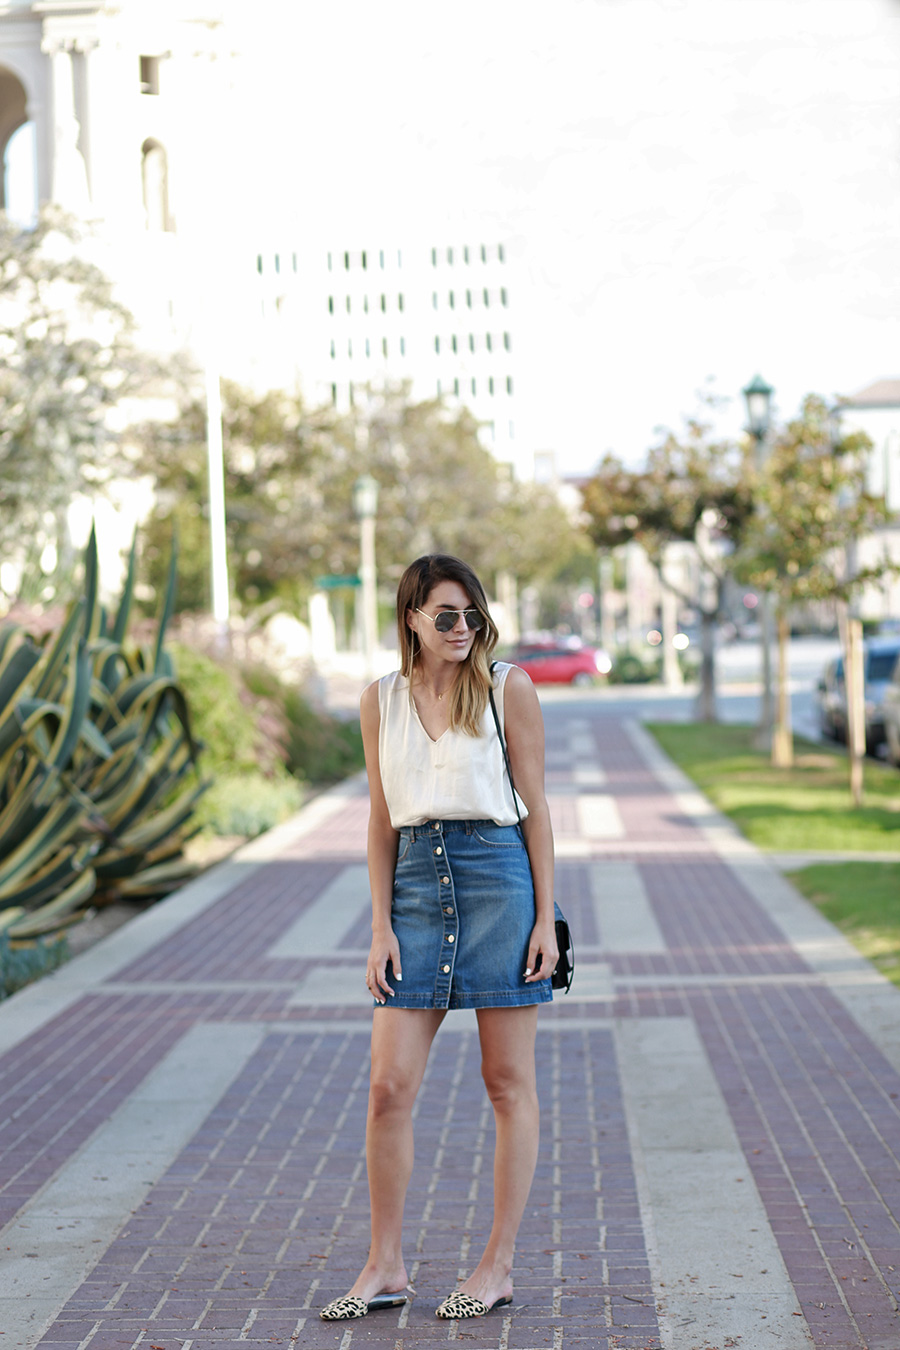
column 8, row 631
column 168, row 605
column 56, row 827
column 56, row 654
column 19, row 815
column 158, row 880
column 120, row 627
column 23, row 717
column 91, row 627
column 78, row 697
column 98, row 743
column 15, row 674
column 150, row 832
column 57, row 912
column 150, row 779
column 8, row 916
column 46, row 882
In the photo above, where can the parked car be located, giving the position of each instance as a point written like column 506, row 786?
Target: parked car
column 891, row 710
column 831, row 696
column 556, row 663
column 880, row 657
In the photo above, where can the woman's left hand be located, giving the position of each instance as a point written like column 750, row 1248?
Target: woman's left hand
column 543, row 953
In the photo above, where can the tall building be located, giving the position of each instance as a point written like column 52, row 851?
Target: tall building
column 439, row 317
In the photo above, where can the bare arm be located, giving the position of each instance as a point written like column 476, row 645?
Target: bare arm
column 382, row 855
column 524, row 728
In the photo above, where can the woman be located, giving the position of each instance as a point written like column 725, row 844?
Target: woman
column 462, row 909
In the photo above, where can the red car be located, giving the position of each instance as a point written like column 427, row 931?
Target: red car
column 549, row 663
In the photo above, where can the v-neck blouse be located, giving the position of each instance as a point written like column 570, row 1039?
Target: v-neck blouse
column 456, row 777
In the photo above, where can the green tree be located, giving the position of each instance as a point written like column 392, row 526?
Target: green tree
column 68, row 358
column 272, row 449
column 289, row 477
column 692, row 487
column 812, row 504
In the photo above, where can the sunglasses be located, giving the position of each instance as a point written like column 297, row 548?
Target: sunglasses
column 447, row 619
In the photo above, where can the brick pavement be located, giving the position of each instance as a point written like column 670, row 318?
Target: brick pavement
column 720, row 1092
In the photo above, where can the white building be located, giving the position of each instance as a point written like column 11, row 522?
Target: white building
column 438, row 317
column 876, row 411
column 124, row 115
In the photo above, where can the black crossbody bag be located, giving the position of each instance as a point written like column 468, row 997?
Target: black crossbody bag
column 565, row 966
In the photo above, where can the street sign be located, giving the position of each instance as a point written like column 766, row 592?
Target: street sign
column 333, row 583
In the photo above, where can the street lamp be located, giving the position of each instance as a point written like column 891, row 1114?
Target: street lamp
column 759, row 408
column 758, row 396
column 365, row 505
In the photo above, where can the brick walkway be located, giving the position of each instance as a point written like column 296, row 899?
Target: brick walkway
column 182, row 1139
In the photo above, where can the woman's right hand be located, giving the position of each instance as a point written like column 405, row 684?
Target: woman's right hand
column 384, row 948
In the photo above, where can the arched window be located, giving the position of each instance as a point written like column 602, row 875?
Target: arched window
column 155, row 180
column 18, row 181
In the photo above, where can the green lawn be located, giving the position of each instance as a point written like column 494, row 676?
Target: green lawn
column 808, row 807
column 863, row 900
column 782, row 810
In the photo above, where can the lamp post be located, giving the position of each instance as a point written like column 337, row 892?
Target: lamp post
column 758, row 396
column 365, row 504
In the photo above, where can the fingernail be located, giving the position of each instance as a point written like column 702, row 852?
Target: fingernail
column 528, row 971
column 399, row 977
column 391, row 992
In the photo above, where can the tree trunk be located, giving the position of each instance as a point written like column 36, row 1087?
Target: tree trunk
column 763, row 739
column 706, row 698
column 782, row 734
column 671, row 672
column 854, row 684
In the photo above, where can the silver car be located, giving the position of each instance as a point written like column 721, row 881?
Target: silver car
column 880, row 657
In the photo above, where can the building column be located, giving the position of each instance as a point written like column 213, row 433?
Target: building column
column 68, row 176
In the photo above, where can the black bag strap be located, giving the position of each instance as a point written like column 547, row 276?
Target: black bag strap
column 503, row 747
column 565, row 969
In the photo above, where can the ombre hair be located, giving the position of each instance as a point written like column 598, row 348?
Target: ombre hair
column 468, row 696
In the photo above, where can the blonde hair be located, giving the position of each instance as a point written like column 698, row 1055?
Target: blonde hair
column 468, row 696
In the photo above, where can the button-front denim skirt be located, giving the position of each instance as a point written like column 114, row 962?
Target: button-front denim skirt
column 463, row 912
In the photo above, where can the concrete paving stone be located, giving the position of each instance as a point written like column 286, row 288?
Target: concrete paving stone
column 790, row 1064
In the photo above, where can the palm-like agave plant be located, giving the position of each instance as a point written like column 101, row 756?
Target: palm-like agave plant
column 95, row 748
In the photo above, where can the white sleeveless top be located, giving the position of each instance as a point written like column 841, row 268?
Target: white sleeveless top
column 456, row 777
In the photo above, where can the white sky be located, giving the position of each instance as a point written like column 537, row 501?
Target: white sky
column 696, row 189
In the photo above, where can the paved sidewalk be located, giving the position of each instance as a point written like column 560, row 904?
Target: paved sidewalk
column 182, row 1140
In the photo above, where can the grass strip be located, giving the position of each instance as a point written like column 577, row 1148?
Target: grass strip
column 785, row 810
column 807, row 807
column 862, row 899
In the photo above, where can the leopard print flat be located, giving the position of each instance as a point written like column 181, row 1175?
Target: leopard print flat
column 345, row 1309
column 463, row 1305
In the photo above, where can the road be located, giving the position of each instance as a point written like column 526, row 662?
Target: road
column 738, row 667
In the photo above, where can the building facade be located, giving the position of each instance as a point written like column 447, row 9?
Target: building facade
column 440, row 318
column 876, row 411
column 124, row 107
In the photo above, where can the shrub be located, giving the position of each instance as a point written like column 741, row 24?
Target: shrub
column 249, row 804
column 319, row 748
column 627, row 668
column 232, row 739
column 20, row 964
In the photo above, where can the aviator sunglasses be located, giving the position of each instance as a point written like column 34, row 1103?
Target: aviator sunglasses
column 447, row 618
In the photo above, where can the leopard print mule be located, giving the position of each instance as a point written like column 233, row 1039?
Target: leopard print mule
column 345, row 1309
column 463, row 1305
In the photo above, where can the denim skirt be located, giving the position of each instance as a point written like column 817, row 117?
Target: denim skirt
column 463, row 912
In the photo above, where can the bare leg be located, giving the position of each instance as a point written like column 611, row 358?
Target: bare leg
column 401, row 1040
column 507, row 1065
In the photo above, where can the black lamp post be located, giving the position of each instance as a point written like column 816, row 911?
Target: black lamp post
column 758, row 395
